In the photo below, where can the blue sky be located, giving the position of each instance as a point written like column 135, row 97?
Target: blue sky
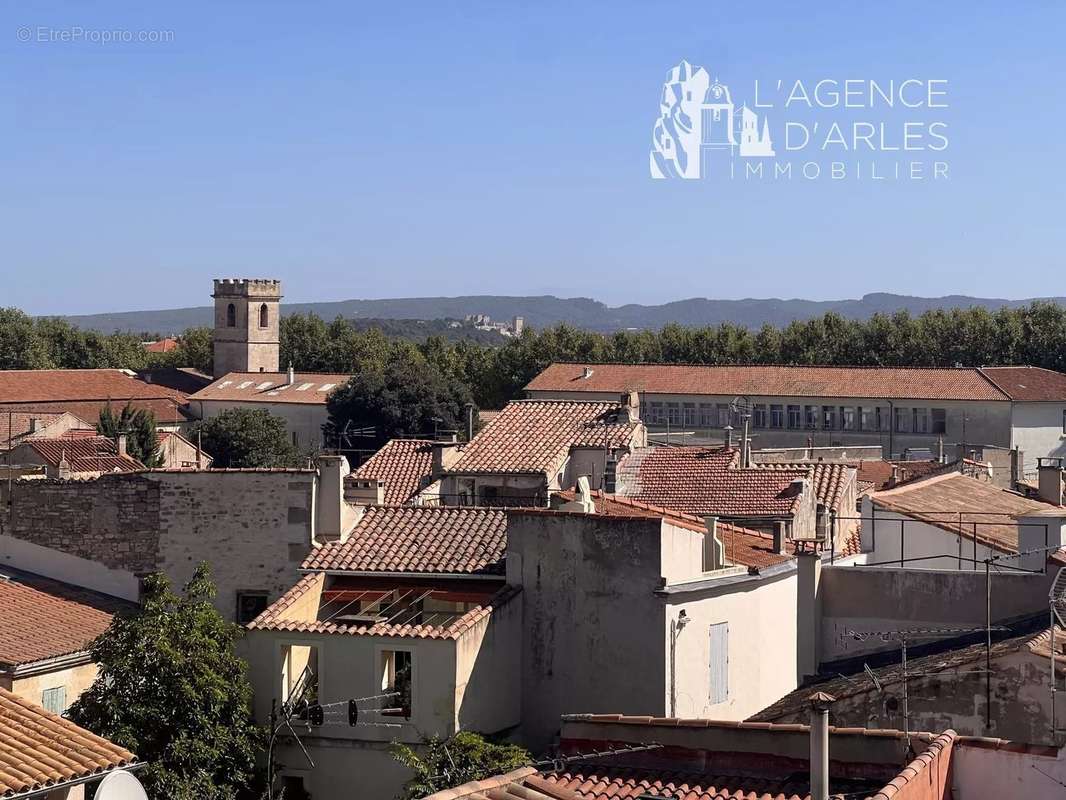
column 381, row 150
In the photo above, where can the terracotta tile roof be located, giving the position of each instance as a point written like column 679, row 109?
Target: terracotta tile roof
column 524, row 783
column 830, row 479
column 466, row 541
column 880, row 383
column 707, row 480
column 1028, row 383
column 405, row 466
column 604, row 781
column 185, row 380
column 160, row 346
column 536, row 436
column 39, row 749
column 43, row 618
column 84, row 453
column 309, row 388
column 289, row 613
column 878, row 473
column 84, row 392
column 795, row 704
column 743, row 546
column 955, row 502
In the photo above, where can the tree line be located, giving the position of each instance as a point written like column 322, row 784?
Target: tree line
column 1034, row 334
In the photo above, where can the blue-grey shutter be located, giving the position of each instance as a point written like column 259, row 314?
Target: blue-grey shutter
column 718, row 659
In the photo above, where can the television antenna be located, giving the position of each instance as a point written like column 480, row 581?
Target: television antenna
column 741, row 406
column 1057, row 606
column 120, row 785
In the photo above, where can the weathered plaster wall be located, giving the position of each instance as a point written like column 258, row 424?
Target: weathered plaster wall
column 74, row 679
column 593, row 629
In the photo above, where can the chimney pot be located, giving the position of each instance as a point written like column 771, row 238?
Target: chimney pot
column 820, row 702
column 586, row 373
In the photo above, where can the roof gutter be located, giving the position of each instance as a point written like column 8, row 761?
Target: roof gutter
column 46, row 665
column 407, row 575
column 96, row 776
column 710, row 582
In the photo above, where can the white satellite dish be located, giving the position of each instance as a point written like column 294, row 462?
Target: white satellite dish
column 120, row 785
column 1057, row 596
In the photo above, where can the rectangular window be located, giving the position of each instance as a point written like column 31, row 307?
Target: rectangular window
column 795, row 420
column 777, row 416
column 810, row 416
column 691, row 420
column 656, row 415
column 299, row 671
column 903, row 419
column 847, row 418
column 867, row 419
column 55, row 700
column 724, row 416
column 919, row 420
column 940, row 421
column 673, row 413
column 250, row 605
column 829, row 418
column 396, row 671
column 718, row 659
column 759, row 415
column 708, row 415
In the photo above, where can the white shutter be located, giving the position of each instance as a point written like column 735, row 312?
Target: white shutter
column 718, row 659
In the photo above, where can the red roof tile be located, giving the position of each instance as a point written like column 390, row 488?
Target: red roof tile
column 960, row 504
column 1028, row 383
column 405, row 466
column 17, row 424
column 707, row 480
column 536, row 436
column 309, row 388
column 161, row 346
column 467, row 541
column 830, row 479
column 881, row 383
column 44, row 619
column 743, row 546
column 84, row 392
column 84, row 453
column 878, row 473
column 40, row 749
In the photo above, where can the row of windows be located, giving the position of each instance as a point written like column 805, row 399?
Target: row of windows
column 800, row 417
column 231, row 316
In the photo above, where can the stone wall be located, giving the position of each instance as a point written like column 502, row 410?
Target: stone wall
column 254, row 527
column 113, row 520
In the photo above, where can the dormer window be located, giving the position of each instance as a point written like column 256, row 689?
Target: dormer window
column 264, row 316
column 231, row 316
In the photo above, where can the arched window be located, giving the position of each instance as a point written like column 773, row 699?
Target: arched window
column 231, row 316
column 264, row 316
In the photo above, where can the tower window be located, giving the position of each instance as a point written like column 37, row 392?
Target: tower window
column 264, row 316
column 231, row 316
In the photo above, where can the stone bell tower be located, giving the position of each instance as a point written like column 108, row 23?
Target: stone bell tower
column 247, row 331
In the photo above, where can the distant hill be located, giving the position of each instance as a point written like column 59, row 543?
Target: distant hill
column 580, row 311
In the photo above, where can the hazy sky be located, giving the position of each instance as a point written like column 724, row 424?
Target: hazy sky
column 360, row 149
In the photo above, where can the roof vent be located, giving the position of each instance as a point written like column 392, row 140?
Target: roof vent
column 586, row 373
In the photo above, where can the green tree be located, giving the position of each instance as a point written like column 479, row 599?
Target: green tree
column 465, row 757
column 171, row 689
column 139, row 426
column 241, row 437
column 21, row 347
column 407, row 397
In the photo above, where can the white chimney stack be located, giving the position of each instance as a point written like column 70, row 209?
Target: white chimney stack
column 820, row 702
column 121, row 444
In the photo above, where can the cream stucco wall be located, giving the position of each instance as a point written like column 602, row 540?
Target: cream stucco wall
column 919, row 544
column 74, row 679
column 1038, row 431
column 761, row 614
column 305, row 420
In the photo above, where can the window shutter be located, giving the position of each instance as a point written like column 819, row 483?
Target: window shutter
column 718, row 659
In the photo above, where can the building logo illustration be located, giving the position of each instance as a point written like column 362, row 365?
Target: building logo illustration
column 697, row 119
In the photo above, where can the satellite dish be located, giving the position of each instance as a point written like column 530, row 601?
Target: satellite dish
column 120, row 785
column 1057, row 597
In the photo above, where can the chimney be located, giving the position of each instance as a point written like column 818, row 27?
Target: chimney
column 631, row 406
column 582, row 502
column 895, row 476
column 63, row 471
column 121, row 444
column 332, row 514
column 1049, row 480
column 35, row 424
column 713, row 550
column 780, row 537
column 445, row 453
column 820, row 702
column 808, row 612
column 364, row 492
column 729, row 437
column 290, row 378
column 940, row 448
column 586, row 373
